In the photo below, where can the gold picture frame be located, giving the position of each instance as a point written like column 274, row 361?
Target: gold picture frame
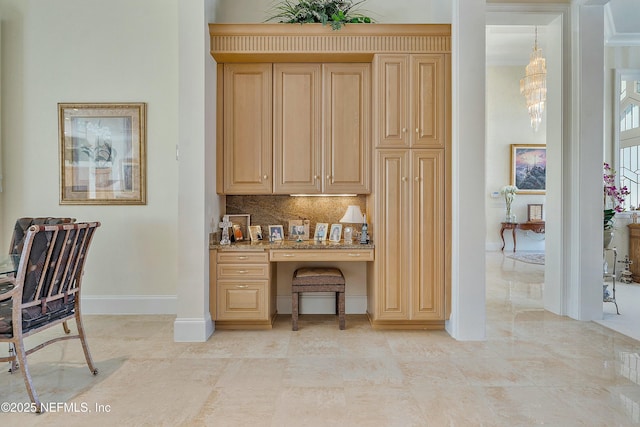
column 529, row 168
column 102, row 153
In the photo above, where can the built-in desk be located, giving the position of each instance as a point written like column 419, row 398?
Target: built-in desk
column 242, row 285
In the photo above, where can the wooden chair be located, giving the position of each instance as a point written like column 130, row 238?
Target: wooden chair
column 44, row 292
column 317, row 279
column 20, row 232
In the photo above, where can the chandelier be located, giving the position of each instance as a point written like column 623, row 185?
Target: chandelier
column 534, row 85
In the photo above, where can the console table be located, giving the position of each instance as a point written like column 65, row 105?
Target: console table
column 535, row 226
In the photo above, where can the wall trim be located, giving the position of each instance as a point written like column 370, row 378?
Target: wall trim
column 192, row 329
column 129, row 304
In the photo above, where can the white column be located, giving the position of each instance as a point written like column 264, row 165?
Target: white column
column 467, row 321
column 193, row 321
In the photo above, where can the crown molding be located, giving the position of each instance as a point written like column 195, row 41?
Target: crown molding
column 318, row 43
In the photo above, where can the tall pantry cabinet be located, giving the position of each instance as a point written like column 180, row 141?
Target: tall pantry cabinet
column 407, row 283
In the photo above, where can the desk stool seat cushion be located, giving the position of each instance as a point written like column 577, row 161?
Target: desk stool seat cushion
column 318, row 279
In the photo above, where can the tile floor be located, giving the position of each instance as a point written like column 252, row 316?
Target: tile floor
column 534, row 368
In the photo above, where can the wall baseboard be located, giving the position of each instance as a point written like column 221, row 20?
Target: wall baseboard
column 322, row 303
column 129, row 304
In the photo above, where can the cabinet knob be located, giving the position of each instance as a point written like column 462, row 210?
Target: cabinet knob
column 417, row 130
column 404, row 129
column 417, row 178
column 265, row 176
column 315, row 177
column 404, row 179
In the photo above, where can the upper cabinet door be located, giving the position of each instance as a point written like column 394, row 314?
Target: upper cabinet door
column 346, row 89
column 428, row 100
column 391, row 101
column 297, row 128
column 248, row 135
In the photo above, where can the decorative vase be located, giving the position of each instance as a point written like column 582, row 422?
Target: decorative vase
column 607, row 237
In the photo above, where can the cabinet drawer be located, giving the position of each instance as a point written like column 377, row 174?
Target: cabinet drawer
column 243, row 271
column 322, row 255
column 242, row 300
column 243, row 257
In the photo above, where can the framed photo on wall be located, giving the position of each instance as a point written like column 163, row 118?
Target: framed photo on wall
column 529, row 168
column 102, row 153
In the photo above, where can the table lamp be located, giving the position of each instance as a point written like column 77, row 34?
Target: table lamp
column 352, row 216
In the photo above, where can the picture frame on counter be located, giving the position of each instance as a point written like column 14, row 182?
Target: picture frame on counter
column 276, row 233
column 255, row 233
column 238, row 236
column 299, row 229
column 243, row 221
column 320, row 232
column 335, row 233
column 534, row 212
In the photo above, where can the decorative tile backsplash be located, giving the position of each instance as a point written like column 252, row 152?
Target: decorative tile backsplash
column 278, row 210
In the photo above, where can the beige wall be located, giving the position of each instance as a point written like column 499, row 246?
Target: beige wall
column 507, row 123
column 94, row 51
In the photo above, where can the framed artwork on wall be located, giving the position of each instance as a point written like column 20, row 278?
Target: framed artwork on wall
column 102, row 153
column 529, row 168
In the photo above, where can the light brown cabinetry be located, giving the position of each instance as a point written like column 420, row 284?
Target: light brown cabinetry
column 244, row 290
column 321, row 128
column 247, row 128
column 315, row 137
column 297, row 139
column 410, row 98
column 346, row 123
column 406, row 281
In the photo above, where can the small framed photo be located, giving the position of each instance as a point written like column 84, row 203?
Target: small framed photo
column 534, row 212
column 299, row 229
column 102, row 153
column 243, row 221
column 321, row 231
column 336, row 231
column 255, row 233
column 237, row 233
column 276, row 233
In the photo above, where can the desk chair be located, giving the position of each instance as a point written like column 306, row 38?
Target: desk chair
column 317, row 279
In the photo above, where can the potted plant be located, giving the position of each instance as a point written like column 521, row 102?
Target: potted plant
column 333, row 12
column 613, row 202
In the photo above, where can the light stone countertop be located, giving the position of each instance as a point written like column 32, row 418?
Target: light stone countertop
column 286, row 244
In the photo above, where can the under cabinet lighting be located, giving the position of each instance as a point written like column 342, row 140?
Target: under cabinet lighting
column 322, row 195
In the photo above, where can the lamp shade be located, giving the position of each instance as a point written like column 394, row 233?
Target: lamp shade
column 353, row 215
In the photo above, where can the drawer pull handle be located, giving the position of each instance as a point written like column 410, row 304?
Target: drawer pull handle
column 354, row 254
column 242, row 286
column 288, row 255
column 243, row 271
column 243, row 257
